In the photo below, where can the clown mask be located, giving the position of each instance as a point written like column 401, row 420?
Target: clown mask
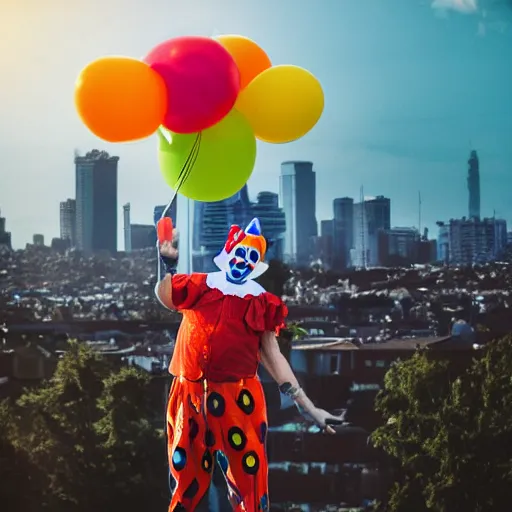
column 243, row 253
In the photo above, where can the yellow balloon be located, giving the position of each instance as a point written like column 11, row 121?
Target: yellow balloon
column 282, row 104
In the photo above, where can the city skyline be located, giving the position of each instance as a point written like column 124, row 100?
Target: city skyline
column 294, row 169
column 411, row 87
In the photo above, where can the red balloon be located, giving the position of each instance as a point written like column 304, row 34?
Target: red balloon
column 202, row 82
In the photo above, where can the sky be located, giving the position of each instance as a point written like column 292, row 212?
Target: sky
column 411, row 86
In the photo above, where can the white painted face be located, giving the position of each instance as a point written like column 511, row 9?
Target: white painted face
column 242, row 261
column 241, row 257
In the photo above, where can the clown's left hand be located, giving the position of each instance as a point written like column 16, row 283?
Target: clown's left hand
column 324, row 419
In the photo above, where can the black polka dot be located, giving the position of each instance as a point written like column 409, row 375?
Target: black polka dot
column 192, row 489
column 237, row 439
column 245, row 401
column 193, row 428
column 209, row 438
column 207, row 461
column 251, row 463
column 215, row 404
column 263, row 432
column 179, row 459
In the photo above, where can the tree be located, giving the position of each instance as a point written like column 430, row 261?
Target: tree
column 135, row 452
column 88, row 428
column 449, row 436
column 16, row 472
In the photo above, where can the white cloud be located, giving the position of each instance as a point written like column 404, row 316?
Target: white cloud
column 464, row 6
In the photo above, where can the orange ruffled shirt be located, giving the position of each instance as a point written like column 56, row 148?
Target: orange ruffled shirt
column 220, row 335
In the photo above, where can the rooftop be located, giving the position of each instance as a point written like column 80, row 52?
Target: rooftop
column 339, row 344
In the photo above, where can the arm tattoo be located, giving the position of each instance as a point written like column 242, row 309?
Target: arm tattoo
column 287, row 389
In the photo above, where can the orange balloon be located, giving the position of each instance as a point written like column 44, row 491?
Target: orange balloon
column 120, row 99
column 249, row 57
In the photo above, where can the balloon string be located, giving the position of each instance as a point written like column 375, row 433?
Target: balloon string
column 182, row 177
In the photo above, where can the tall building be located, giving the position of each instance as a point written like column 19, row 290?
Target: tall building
column 142, row 236
column 38, row 240
column 443, row 242
column 273, row 223
column 343, row 236
column 324, row 244
column 298, row 201
column 68, row 221
column 398, row 246
column 5, row 236
column 211, row 222
column 371, row 216
column 474, row 186
column 474, row 241
column 127, row 228
column 96, row 201
column 327, row 228
column 172, row 213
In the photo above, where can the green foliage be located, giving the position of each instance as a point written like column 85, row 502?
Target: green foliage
column 86, row 433
column 287, row 336
column 16, row 472
column 450, row 436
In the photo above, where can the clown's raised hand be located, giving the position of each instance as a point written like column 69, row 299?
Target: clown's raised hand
column 169, row 248
column 169, row 254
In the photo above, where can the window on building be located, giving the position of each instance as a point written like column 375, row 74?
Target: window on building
column 368, row 363
column 380, row 364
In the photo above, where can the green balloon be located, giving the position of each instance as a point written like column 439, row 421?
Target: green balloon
column 224, row 161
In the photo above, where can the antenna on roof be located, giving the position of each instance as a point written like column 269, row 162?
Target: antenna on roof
column 363, row 212
column 419, row 212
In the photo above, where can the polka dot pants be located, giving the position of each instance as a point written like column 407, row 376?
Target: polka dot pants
column 226, row 421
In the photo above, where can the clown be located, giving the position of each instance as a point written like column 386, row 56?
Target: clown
column 216, row 405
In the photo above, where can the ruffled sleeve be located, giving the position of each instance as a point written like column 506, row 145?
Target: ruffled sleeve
column 266, row 312
column 187, row 290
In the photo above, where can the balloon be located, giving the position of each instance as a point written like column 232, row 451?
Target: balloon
column 202, row 82
column 224, row 163
column 120, row 99
column 249, row 57
column 282, row 104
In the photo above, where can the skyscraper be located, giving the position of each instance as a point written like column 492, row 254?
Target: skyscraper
column 68, row 221
column 172, row 212
column 325, row 243
column 5, row 236
column 273, row 222
column 127, row 230
column 96, row 201
column 370, row 217
column 343, row 235
column 476, row 240
column 38, row 240
column 443, row 242
column 298, row 200
column 142, row 236
column 474, row 185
